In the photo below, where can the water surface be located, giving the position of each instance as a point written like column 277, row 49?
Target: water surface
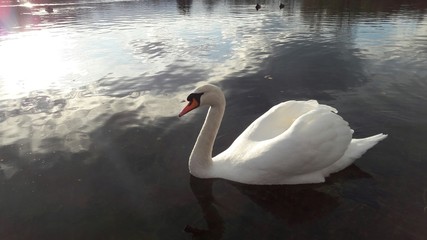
column 91, row 146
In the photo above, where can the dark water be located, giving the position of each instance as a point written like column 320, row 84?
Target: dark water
column 91, row 146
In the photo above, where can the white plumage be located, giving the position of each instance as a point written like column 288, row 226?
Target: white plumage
column 294, row 142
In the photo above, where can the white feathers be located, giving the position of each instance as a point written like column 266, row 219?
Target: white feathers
column 294, row 142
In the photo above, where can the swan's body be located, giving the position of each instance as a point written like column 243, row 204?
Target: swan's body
column 294, row 142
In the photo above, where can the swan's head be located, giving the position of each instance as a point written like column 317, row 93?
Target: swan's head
column 209, row 95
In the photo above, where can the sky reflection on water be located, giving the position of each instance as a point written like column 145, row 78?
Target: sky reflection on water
column 91, row 146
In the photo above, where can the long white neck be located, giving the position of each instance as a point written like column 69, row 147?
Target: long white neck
column 201, row 156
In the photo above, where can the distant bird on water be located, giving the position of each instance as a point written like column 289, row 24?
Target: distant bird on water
column 49, row 9
column 281, row 5
column 257, row 7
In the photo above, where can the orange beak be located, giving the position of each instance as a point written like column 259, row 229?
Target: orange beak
column 191, row 105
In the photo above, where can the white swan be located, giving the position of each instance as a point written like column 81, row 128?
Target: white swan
column 295, row 142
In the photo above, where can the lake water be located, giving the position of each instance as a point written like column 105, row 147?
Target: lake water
column 91, row 146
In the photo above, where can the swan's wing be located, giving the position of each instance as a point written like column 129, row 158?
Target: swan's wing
column 271, row 124
column 314, row 140
column 279, row 118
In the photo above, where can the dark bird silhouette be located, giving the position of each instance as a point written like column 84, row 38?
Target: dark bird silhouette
column 49, row 9
column 257, row 7
column 281, row 5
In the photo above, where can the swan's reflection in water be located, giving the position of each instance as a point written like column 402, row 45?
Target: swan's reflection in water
column 292, row 204
column 202, row 190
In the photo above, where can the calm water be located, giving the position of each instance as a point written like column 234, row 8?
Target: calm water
column 91, row 146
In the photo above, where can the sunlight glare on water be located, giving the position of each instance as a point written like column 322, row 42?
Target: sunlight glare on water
column 34, row 61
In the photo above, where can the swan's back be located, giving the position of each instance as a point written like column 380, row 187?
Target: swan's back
column 279, row 118
column 291, row 143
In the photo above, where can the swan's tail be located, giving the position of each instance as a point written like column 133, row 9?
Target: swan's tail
column 355, row 150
